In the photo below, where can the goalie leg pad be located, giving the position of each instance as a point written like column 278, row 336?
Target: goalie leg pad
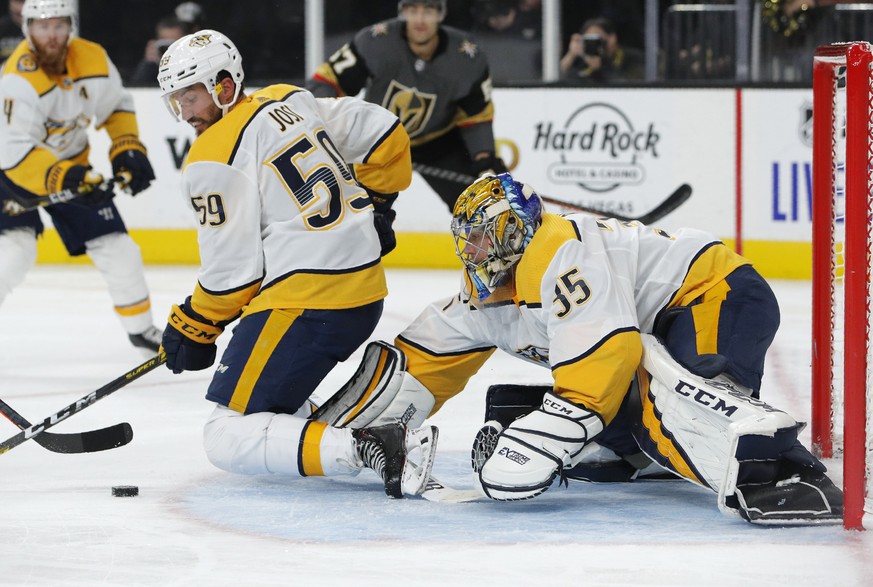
column 380, row 392
column 535, row 448
column 712, row 432
column 802, row 496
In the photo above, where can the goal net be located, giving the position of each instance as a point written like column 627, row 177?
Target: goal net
column 841, row 243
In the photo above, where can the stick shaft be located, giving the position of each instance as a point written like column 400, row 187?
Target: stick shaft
column 83, row 402
column 673, row 201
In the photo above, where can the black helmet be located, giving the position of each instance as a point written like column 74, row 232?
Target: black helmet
column 441, row 4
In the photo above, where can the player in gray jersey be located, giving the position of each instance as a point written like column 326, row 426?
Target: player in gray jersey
column 434, row 78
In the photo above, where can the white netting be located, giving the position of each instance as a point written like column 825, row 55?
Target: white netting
column 838, row 267
column 849, row 92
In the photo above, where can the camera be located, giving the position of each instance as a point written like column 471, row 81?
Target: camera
column 593, row 45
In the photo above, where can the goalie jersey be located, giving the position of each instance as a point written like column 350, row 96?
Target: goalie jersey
column 46, row 118
column 282, row 221
column 582, row 292
column 431, row 98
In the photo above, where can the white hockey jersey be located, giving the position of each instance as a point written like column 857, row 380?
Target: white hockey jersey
column 582, row 292
column 45, row 118
column 282, row 221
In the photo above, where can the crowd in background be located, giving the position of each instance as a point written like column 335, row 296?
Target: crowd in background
column 694, row 45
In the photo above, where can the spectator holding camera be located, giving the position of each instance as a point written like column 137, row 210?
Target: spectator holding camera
column 167, row 30
column 595, row 56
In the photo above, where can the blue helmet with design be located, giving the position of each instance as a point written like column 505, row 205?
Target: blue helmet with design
column 493, row 221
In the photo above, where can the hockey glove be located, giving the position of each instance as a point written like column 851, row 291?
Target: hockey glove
column 383, row 219
column 384, row 222
column 189, row 340
column 66, row 175
column 534, row 449
column 492, row 164
column 129, row 160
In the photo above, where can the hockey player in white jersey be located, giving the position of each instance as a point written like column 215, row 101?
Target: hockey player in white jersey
column 584, row 297
column 291, row 246
column 53, row 87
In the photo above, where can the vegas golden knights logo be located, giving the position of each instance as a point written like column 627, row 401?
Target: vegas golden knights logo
column 412, row 107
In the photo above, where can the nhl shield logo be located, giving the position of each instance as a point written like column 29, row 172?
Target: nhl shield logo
column 412, row 107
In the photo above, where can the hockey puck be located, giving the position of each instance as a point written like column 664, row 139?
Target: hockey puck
column 125, row 491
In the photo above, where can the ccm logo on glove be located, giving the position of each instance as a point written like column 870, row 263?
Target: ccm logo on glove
column 192, row 331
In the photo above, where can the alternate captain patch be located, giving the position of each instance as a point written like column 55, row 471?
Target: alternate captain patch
column 469, row 48
column 26, row 63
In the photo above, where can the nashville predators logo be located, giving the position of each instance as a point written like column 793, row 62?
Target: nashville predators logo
column 412, row 107
column 534, row 354
column 26, row 63
column 200, row 40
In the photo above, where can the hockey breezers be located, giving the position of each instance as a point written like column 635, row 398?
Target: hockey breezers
column 76, row 442
column 679, row 196
column 82, row 403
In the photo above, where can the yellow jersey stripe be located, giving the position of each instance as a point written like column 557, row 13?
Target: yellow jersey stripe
column 338, row 290
column 222, row 149
column 134, row 309
column 444, row 375
column 391, row 174
column 598, row 379
column 223, row 306
column 711, row 266
column 554, row 232
column 309, row 455
column 275, row 328
column 119, row 124
column 706, row 317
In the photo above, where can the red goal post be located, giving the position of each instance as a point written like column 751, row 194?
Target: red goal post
column 841, row 242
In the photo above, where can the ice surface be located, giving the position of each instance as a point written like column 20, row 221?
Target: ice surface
column 193, row 524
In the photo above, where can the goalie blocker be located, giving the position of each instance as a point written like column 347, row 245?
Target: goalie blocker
column 706, row 430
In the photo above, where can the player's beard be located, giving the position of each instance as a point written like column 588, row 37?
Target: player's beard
column 52, row 57
column 209, row 117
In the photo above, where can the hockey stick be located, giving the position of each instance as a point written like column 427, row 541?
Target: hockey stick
column 76, row 442
column 84, row 402
column 17, row 205
column 673, row 201
column 437, row 491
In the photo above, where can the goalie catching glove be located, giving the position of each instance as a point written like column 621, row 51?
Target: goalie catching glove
column 189, row 339
column 526, row 457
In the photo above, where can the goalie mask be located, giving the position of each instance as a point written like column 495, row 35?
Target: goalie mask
column 492, row 223
column 45, row 9
column 199, row 58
